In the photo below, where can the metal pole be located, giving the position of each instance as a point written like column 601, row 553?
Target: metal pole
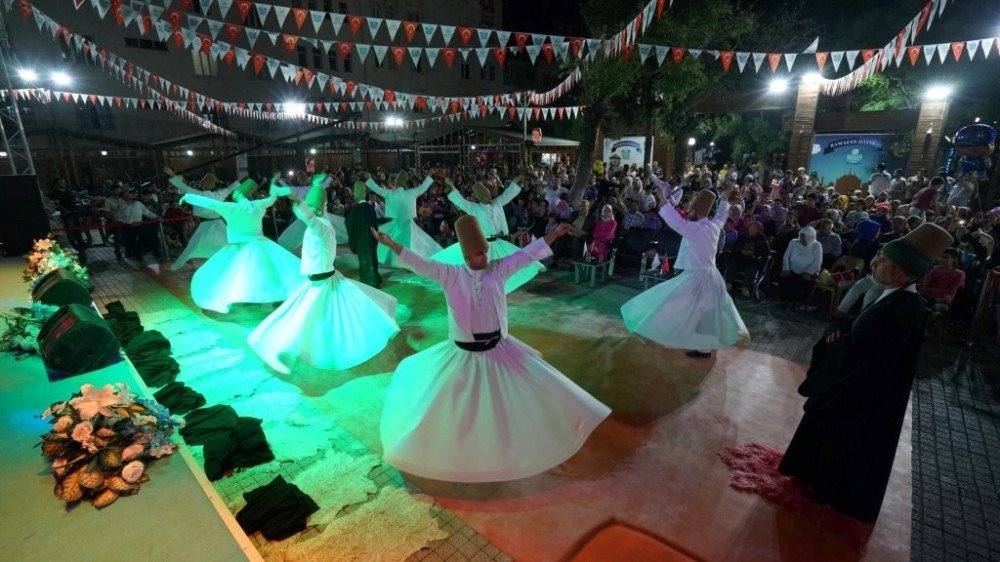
column 163, row 239
column 19, row 148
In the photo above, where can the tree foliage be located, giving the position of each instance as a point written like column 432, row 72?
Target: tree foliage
column 881, row 92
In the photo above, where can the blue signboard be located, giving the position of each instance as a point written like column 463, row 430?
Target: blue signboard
column 847, row 160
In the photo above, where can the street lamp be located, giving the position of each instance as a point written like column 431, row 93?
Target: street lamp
column 692, row 141
column 937, row 93
column 778, row 86
column 312, row 151
column 295, row 109
column 190, row 152
column 61, row 79
column 393, row 122
column 104, row 153
column 27, row 75
column 812, row 79
column 473, row 147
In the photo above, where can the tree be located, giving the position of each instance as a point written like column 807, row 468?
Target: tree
column 881, row 92
column 662, row 99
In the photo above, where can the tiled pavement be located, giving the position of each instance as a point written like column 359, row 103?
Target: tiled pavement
column 128, row 284
column 956, row 433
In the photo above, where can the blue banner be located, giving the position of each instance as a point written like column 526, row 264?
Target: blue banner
column 848, row 160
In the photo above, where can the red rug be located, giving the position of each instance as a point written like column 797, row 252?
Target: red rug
column 755, row 470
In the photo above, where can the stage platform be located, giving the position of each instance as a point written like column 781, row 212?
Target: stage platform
column 177, row 515
column 653, row 465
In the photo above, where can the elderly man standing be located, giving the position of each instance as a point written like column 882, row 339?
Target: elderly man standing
column 858, row 385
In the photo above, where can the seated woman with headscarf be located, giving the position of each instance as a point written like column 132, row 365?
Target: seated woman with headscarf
column 604, row 234
column 800, row 266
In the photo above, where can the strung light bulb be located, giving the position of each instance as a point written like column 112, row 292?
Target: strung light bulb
column 27, row 75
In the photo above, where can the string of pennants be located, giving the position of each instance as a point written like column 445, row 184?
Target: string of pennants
column 299, row 75
column 280, row 111
column 455, row 39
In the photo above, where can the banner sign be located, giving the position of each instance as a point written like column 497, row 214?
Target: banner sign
column 847, row 160
column 625, row 151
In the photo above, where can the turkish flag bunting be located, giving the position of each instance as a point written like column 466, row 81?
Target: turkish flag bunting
column 774, row 59
column 659, row 7
column 229, row 57
column 547, row 51
column 956, row 49
column 924, row 12
column 501, row 54
column 821, row 57
column 355, row 23
column 914, row 53
column 258, row 63
column 186, row 4
column 349, row 87
column 244, row 7
column 627, row 52
column 300, row 16
column 465, row 34
column 344, row 48
column 521, row 39
column 147, row 22
column 290, row 42
column 410, row 27
column 678, row 54
column 576, row 44
column 867, row 55
column 233, row 31
column 449, row 55
column 206, row 43
column 174, row 17
column 398, row 53
column 727, row 59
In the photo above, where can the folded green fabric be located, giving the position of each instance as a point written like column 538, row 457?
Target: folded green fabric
column 278, row 510
column 179, row 398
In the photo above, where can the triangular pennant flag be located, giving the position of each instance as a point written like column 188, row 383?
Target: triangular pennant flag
column 758, row 60
column 790, row 60
column 503, row 37
column 273, row 36
column 644, row 52
column 741, row 60
column 562, row 49
column 290, row 42
column 449, row 54
column 500, row 53
column 262, row 11
column 594, row 46
column 465, row 35
column 677, row 53
column 774, row 59
column 821, row 57
column 354, row 22
column 338, row 21
column 432, row 55
column 661, row 54
column 397, row 54
column 942, row 49
column 867, row 55
column 836, row 57
column 344, row 48
column 972, row 47
column 988, row 46
column 956, row 49
column 694, row 53
column 300, row 16
column 415, row 55
column 373, row 26
column 380, row 51
column 282, row 13
column 727, row 59
column 429, row 29
column 205, row 5
column 484, row 36
column 533, row 51
column 392, row 26
column 929, row 51
column 538, row 39
column 362, row 50
column 812, row 46
column 547, row 51
column 852, row 59
column 272, row 64
column 317, row 18
column 481, row 54
column 446, row 32
column 465, row 54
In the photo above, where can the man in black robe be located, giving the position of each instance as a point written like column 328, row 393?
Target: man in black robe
column 858, row 385
column 360, row 220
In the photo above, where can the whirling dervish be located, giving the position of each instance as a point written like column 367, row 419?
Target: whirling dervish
column 210, row 236
column 484, row 407
column 330, row 322
column 250, row 268
column 692, row 311
column 489, row 213
column 291, row 238
column 401, row 207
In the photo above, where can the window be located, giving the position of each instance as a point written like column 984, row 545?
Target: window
column 92, row 116
column 327, row 5
column 419, row 68
column 493, row 73
column 195, row 7
column 391, row 61
column 465, row 70
column 145, row 44
column 413, row 17
column 301, row 50
column 331, row 57
column 205, row 65
column 378, row 11
column 312, row 4
column 342, row 8
column 390, row 12
column 482, row 73
column 347, row 63
column 317, row 59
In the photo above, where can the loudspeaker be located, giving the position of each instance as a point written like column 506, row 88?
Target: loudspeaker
column 76, row 340
column 22, row 216
column 59, row 288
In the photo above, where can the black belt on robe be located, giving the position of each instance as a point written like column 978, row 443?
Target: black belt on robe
column 322, row 276
column 206, row 220
column 497, row 237
column 484, row 342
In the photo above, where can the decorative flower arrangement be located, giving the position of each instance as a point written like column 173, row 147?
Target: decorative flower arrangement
column 21, row 334
column 47, row 255
column 101, row 440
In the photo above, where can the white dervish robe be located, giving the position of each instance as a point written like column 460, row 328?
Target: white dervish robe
column 401, row 207
column 210, row 236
